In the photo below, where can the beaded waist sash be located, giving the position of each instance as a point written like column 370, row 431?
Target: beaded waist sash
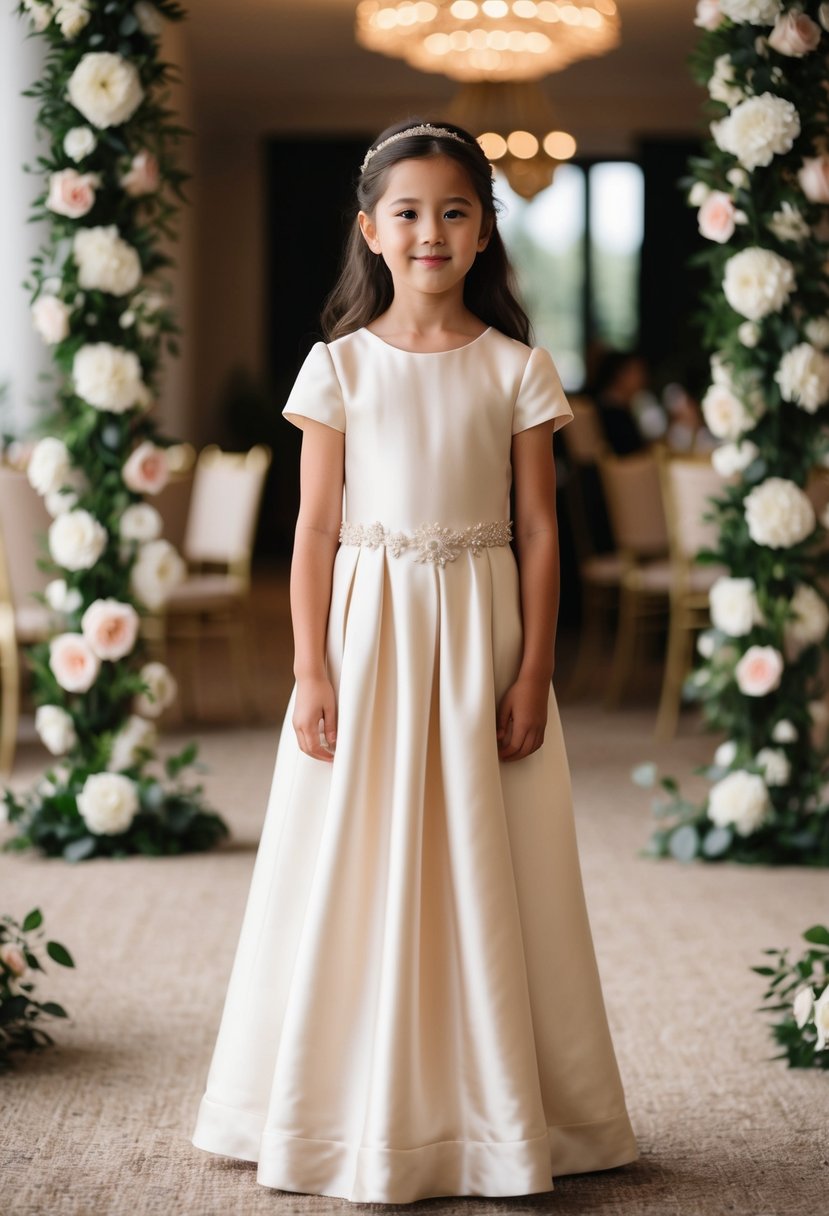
column 430, row 542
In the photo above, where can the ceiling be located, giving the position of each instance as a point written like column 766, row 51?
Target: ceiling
column 283, row 65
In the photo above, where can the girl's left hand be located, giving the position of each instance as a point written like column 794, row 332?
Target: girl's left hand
column 522, row 717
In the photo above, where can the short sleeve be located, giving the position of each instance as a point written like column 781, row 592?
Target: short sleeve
column 316, row 393
column 540, row 396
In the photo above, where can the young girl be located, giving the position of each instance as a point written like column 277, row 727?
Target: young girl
column 414, row 1008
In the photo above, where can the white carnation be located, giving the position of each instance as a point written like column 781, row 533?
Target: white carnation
column 105, row 261
column 788, row 224
column 740, row 800
column 758, row 282
column 725, row 414
column 734, row 607
column 778, row 513
column 803, row 376
column 721, row 86
column 40, row 13
column 810, row 622
column 751, row 12
column 55, row 728
column 59, row 501
column 77, row 540
column 135, row 736
column 158, row 569
column 758, row 129
column 817, row 331
column 48, row 465
column 774, row 764
column 107, row 377
column 71, row 16
column 731, row 458
column 50, row 317
column 108, row 803
column 106, row 88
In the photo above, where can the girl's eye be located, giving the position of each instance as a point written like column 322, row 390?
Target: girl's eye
column 409, row 212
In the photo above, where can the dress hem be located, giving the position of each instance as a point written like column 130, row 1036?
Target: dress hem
column 375, row 1174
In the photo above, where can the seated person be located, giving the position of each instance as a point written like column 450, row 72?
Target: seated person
column 620, row 377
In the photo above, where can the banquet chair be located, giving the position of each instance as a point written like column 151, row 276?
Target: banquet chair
column 600, row 574
column 214, row 599
column 688, row 483
column 173, row 502
column 23, row 620
column 637, row 520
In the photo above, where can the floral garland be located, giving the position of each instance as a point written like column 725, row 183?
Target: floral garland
column 762, row 190
column 20, row 1012
column 800, row 992
column 97, row 302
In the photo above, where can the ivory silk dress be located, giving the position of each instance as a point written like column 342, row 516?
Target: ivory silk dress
column 414, row 1007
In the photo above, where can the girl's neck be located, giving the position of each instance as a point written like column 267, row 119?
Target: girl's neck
column 429, row 323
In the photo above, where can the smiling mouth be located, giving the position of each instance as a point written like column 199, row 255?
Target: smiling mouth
column 429, row 258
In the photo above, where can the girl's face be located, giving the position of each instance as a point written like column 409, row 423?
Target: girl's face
column 428, row 224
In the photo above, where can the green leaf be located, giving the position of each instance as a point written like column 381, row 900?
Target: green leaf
column 818, row 934
column 56, row 1011
column 59, row 954
column 33, row 920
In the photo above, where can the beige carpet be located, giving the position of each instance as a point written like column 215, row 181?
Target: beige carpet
column 101, row 1123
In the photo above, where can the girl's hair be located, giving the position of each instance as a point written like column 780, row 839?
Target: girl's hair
column 365, row 288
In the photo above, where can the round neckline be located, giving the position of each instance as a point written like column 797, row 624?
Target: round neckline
column 450, row 351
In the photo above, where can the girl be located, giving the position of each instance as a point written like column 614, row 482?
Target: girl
column 414, row 1008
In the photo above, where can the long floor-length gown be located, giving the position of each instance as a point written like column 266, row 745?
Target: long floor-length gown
column 414, row 1008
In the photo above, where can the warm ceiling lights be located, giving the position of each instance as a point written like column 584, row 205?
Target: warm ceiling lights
column 488, row 39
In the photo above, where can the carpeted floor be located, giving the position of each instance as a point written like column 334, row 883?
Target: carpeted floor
column 101, row 1124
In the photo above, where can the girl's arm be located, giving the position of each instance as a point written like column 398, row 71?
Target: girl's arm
column 316, row 539
column 523, row 711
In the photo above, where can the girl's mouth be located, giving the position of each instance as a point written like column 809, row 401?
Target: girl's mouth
column 431, row 261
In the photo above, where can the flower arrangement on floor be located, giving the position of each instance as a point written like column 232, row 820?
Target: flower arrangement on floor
column 20, row 1013
column 762, row 189
column 800, row 992
column 97, row 301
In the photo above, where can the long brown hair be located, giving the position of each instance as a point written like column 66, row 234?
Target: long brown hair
column 365, row 288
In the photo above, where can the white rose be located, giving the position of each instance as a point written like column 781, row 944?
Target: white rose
column 707, row 644
column 51, row 319
column 106, row 88
column 141, row 522
column 788, row 224
column 721, row 86
column 737, row 177
column 750, row 12
column 71, row 16
column 749, row 333
column 55, row 728
column 64, row 499
column 778, row 514
column 149, row 18
column 79, row 142
column 726, row 754
column 161, row 690
column 73, row 663
column 157, row 571
column 759, row 671
column 810, row 621
column 775, row 766
column 784, row 731
column 725, row 414
column 734, row 607
column 821, row 1016
column 758, row 129
column 49, row 465
column 731, row 458
column 136, row 735
column 105, row 261
column 708, row 15
column 108, row 803
column 61, row 598
column 107, row 377
column 817, row 331
column 803, row 376
column 802, row 1006
column 740, row 799
column 40, row 14
column 794, row 34
column 758, row 282
column 698, row 194
column 77, row 540
column 111, row 628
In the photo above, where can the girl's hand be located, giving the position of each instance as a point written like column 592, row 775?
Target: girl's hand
column 522, row 717
column 315, row 712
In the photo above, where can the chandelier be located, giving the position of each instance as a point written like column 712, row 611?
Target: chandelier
column 488, row 39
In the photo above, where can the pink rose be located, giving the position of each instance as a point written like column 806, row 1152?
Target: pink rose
column 759, row 670
column 110, row 628
column 814, row 178
column 74, row 664
column 708, row 15
column 51, row 319
column 794, row 34
column 716, row 217
column 142, row 176
column 72, row 193
column 147, row 470
column 13, row 958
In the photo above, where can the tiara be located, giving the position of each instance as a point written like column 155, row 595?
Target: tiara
column 425, row 128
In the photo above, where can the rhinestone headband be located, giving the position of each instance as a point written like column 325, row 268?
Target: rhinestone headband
column 424, row 129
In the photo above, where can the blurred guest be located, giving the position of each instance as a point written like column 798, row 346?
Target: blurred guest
column 621, row 380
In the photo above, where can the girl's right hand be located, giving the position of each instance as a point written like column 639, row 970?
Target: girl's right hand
column 315, row 712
